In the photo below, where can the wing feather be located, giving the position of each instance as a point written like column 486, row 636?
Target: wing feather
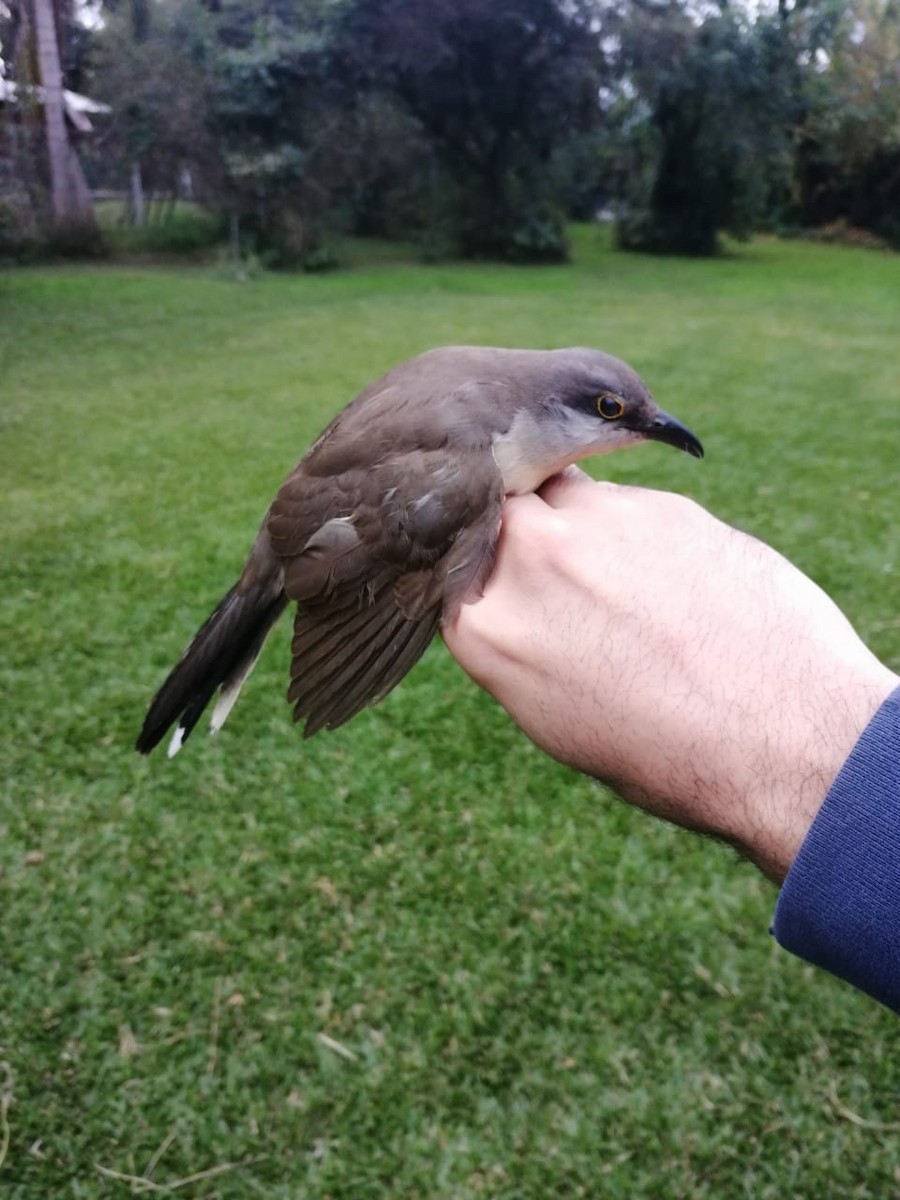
column 312, row 675
column 377, row 675
column 370, row 662
column 367, row 557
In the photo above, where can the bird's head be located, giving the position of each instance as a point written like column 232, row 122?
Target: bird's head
column 585, row 402
column 607, row 405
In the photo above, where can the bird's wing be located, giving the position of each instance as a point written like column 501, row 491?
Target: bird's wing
column 371, row 557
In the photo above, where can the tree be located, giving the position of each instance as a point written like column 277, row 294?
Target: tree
column 702, row 120
column 495, row 89
column 47, row 189
column 848, row 165
column 277, row 118
column 154, row 65
column 71, row 199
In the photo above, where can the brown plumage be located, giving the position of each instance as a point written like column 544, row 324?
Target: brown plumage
column 389, row 523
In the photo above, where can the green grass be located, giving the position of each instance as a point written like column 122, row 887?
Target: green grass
column 540, row 992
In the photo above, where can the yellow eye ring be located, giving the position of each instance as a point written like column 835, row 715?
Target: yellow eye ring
column 609, row 406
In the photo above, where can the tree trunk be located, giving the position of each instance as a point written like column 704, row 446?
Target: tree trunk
column 69, row 193
column 137, row 195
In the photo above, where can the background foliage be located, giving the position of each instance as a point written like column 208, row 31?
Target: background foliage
column 475, row 129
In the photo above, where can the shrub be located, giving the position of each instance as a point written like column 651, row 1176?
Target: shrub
column 17, row 233
column 185, row 230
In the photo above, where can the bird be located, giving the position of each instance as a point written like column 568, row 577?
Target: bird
column 390, row 522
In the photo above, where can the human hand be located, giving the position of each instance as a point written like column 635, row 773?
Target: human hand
column 637, row 638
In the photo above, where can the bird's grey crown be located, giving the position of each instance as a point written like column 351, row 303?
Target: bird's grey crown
column 505, row 379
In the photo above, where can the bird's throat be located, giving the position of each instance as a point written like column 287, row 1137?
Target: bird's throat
column 531, row 450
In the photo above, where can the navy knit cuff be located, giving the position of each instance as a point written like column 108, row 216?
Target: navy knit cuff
column 840, row 904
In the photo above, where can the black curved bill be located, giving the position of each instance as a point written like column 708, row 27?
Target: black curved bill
column 666, row 429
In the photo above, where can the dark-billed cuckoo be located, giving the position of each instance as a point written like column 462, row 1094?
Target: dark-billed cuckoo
column 390, row 521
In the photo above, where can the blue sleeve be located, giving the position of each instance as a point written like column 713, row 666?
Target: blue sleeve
column 840, row 904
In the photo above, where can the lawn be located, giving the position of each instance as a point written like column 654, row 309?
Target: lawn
column 413, row 958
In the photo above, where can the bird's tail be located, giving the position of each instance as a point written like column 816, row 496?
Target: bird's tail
column 221, row 655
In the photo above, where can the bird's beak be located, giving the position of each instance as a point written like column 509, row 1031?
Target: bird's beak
column 664, row 428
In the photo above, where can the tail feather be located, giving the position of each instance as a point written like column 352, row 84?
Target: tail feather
column 221, row 656
column 229, row 692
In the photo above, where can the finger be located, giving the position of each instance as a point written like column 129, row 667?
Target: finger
column 525, row 516
column 570, row 486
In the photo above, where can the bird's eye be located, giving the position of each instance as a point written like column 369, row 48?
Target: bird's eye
column 609, row 406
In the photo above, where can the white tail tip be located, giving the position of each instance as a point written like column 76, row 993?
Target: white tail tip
column 176, row 742
column 224, row 705
column 228, row 695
